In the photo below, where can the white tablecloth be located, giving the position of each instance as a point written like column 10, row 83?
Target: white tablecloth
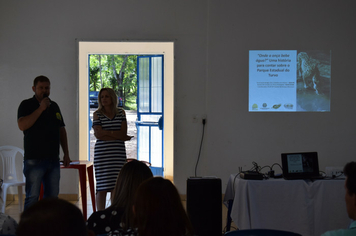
column 305, row 207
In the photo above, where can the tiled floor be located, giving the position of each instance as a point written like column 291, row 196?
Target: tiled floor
column 13, row 209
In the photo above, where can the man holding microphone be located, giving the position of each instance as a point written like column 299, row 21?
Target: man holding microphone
column 42, row 123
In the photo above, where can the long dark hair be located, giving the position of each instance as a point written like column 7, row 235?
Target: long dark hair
column 131, row 175
column 350, row 173
column 158, row 210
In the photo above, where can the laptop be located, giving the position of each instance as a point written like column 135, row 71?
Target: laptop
column 302, row 165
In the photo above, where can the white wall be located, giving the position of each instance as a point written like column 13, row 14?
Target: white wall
column 236, row 137
column 212, row 39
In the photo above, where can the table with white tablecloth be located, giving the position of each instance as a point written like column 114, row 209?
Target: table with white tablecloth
column 309, row 208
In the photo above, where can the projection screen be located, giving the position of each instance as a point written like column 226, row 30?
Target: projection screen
column 289, row 80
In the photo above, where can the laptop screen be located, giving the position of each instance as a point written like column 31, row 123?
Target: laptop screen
column 300, row 165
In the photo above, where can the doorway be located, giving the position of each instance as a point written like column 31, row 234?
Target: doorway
column 138, row 48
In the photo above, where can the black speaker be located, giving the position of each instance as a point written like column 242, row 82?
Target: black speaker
column 204, row 206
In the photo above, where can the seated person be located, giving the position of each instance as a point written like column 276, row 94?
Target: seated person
column 118, row 215
column 350, row 199
column 7, row 224
column 158, row 211
column 52, row 216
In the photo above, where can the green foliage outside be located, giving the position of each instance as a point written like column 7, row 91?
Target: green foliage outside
column 117, row 72
column 130, row 103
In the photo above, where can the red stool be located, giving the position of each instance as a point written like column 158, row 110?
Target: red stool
column 83, row 168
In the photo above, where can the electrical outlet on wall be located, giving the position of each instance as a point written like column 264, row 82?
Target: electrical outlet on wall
column 198, row 118
column 203, row 119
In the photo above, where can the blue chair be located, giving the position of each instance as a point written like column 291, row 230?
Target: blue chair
column 260, row 232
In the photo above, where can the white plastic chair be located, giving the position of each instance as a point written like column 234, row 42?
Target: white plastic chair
column 8, row 158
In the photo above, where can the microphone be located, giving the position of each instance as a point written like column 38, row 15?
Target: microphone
column 45, row 95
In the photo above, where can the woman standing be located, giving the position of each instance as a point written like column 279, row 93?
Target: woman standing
column 110, row 129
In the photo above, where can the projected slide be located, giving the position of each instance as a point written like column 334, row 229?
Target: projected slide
column 289, row 80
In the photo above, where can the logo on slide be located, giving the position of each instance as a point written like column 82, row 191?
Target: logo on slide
column 288, row 106
column 264, row 106
column 276, row 106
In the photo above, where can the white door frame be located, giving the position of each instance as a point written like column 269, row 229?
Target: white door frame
column 133, row 48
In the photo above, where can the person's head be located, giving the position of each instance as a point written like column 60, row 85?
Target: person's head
column 107, row 98
column 350, row 188
column 8, row 225
column 158, row 210
column 131, row 175
column 52, row 216
column 41, row 86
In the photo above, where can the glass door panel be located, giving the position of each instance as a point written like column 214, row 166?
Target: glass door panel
column 150, row 111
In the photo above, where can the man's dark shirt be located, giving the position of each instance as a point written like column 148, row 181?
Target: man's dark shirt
column 42, row 140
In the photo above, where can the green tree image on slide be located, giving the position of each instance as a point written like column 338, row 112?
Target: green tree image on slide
column 117, row 72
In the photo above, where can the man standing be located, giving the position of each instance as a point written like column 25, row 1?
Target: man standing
column 41, row 121
column 350, row 200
